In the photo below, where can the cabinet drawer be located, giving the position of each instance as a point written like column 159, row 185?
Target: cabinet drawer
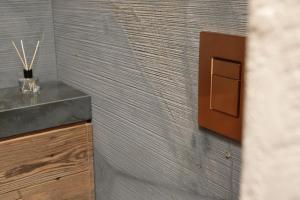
column 10, row 196
column 74, row 187
column 44, row 156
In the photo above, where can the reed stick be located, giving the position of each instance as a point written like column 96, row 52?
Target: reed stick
column 24, row 55
column 35, row 51
column 24, row 65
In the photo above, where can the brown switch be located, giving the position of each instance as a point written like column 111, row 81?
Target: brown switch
column 221, row 83
column 225, row 86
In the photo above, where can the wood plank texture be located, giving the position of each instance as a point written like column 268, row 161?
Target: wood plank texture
column 10, row 196
column 91, row 174
column 37, row 158
column 30, row 20
column 74, row 187
column 139, row 62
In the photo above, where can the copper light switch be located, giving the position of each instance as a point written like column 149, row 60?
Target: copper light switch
column 225, row 95
column 221, row 83
column 225, row 86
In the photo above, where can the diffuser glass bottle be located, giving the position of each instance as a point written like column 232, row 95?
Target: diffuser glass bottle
column 28, row 84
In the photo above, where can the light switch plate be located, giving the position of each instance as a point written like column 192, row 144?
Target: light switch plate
column 221, row 83
column 224, row 95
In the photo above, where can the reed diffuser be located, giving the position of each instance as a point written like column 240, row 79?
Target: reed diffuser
column 28, row 83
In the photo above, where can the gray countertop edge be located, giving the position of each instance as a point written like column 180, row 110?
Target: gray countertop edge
column 41, row 104
column 67, row 107
column 63, row 113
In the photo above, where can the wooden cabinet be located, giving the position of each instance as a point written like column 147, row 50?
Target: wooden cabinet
column 10, row 196
column 74, row 187
column 55, row 164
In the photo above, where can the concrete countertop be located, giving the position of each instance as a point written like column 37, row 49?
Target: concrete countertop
column 56, row 104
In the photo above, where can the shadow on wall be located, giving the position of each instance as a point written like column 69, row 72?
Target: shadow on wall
column 160, row 81
column 139, row 61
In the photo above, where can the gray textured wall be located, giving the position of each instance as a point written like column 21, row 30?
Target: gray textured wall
column 139, row 61
column 29, row 20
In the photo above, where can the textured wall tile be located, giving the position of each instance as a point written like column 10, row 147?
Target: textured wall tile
column 30, row 20
column 139, row 61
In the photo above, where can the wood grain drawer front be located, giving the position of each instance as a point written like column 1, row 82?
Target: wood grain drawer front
column 11, row 196
column 74, row 187
column 45, row 156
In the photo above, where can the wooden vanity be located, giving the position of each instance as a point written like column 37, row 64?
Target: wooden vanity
column 54, row 163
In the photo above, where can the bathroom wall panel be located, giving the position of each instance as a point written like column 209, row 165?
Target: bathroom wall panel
column 29, row 20
column 139, row 61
